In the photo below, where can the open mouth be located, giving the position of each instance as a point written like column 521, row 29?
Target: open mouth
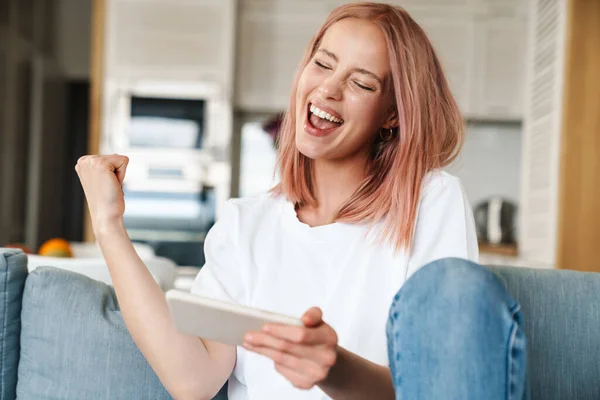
column 321, row 122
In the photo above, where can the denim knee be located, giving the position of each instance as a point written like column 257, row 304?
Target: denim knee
column 453, row 282
column 454, row 332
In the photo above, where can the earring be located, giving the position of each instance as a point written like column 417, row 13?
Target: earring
column 383, row 136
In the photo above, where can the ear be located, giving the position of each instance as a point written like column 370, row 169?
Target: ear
column 391, row 121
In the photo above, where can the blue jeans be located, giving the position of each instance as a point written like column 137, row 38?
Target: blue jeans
column 454, row 333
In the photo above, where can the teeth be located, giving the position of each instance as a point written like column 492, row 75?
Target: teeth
column 322, row 114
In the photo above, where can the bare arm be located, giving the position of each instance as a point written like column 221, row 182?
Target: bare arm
column 355, row 378
column 188, row 367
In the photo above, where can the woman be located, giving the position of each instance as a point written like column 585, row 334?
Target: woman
column 361, row 206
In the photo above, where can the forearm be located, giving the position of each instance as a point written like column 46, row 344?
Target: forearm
column 183, row 363
column 355, row 378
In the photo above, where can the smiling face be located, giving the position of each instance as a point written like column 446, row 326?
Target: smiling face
column 342, row 101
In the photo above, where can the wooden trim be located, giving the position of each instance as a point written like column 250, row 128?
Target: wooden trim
column 96, row 91
column 578, row 238
column 500, row 249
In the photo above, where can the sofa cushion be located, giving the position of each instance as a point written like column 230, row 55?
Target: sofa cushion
column 562, row 326
column 13, row 272
column 75, row 345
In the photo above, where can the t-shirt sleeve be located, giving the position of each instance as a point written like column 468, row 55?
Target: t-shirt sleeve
column 221, row 277
column 445, row 226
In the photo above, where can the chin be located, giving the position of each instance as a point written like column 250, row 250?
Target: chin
column 307, row 151
column 312, row 156
column 313, row 151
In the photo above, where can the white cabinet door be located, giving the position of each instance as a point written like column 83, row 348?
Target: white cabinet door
column 480, row 43
column 498, row 71
column 449, row 26
column 499, row 68
column 171, row 39
column 502, row 8
column 273, row 37
column 452, row 39
column 414, row 6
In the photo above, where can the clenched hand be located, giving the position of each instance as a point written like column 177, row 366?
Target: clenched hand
column 102, row 181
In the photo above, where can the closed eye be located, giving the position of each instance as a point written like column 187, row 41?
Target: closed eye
column 321, row 65
column 363, row 87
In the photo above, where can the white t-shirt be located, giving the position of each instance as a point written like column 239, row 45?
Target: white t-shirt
column 259, row 254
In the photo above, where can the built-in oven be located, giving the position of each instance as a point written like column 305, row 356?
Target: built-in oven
column 177, row 139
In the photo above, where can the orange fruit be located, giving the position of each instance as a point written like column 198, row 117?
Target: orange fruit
column 56, row 248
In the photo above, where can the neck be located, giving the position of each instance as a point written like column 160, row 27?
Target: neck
column 334, row 184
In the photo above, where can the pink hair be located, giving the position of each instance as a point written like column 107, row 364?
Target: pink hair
column 429, row 136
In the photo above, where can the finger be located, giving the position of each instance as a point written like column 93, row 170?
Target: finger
column 259, row 339
column 83, row 159
column 303, row 369
column 121, row 169
column 117, row 164
column 313, row 317
column 299, row 381
column 299, row 334
column 320, row 355
column 82, row 162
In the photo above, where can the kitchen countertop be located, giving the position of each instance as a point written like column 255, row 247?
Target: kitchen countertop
column 511, row 261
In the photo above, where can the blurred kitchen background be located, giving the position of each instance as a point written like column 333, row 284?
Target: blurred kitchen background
column 192, row 91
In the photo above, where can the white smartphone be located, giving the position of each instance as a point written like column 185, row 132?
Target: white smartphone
column 218, row 320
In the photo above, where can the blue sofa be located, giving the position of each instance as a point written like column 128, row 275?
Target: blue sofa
column 63, row 337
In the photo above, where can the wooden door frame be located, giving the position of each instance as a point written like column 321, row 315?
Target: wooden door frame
column 98, row 34
column 579, row 192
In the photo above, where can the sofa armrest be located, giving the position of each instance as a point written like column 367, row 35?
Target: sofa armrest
column 13, row 273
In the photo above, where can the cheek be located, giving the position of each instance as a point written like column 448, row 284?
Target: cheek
column 310, row 79
column 300, row 95
column 299, row 91
column 364, row 111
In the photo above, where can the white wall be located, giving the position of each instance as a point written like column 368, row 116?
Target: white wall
column 258, row 160
column 490, row 162
column 74, row 37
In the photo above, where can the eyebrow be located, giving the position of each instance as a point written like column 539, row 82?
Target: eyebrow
column 359, row 70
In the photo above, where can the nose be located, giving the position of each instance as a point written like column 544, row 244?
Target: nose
column 331, row 89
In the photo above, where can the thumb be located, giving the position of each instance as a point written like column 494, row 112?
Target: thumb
column 313, row 317
column 120, row 167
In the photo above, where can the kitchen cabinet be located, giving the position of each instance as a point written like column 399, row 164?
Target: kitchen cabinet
column 273, row 36
column 171, row 40
column 452, row 40
column 480, row 44
column 498, row 69
column 173, row 59
column 502, row 8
